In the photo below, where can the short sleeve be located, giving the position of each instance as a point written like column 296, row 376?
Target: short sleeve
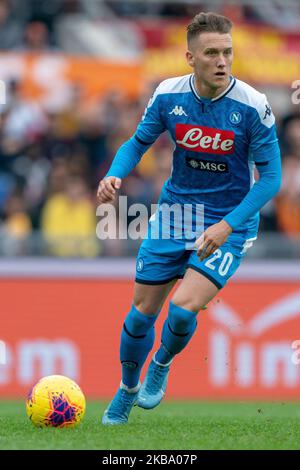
column 263, row 137
column 151, row 124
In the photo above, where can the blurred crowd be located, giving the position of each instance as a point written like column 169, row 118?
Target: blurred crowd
column 50, row 167
column 28, row 26
column 31, row 25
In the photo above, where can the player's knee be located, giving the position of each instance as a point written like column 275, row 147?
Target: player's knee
column 187, row 303
column 181, row 320
column 145, row 302
column 146, row 307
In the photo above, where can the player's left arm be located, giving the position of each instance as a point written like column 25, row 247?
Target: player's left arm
column 264, row 151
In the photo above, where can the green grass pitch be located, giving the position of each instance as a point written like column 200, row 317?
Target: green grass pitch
column 173, row 425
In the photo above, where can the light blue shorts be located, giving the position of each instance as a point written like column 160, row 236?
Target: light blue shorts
column 161, row 261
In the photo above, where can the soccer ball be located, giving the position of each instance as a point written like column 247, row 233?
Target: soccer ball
column 55, row 401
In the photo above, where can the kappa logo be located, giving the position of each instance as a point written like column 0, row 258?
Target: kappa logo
column 178, row 111
column 129, row 364
column 239, row 355
column 268, row 111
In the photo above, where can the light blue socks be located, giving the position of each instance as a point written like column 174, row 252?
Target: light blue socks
column 137, row 340
column 177, row 331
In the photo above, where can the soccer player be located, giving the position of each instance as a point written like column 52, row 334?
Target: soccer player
column 222, row 129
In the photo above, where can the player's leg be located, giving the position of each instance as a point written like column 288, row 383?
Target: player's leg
column 201, row 283
column 137, row 340
column 159, row 264
column 194, row 292
column 137, row 336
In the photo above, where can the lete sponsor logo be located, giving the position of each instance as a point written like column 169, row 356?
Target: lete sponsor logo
column 205, row 139
column 243, row 357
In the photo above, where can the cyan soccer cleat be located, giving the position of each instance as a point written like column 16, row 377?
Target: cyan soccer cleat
column 120, row 407
column 154, row 386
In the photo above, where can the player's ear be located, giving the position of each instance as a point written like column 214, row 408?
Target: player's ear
column 190, row 58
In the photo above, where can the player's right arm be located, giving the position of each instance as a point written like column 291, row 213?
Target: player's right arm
column 131, row 151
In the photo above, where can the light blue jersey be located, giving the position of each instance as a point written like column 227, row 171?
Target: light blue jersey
column 217, row 143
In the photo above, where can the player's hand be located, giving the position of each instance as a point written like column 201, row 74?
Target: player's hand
column 212, row 239
column 107, row 189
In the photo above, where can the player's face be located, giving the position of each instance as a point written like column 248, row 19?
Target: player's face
column 210, row 54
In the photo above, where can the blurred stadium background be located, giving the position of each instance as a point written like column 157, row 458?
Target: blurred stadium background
column 78, row 75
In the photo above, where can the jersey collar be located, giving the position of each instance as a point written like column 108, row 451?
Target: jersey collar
column 212, row 100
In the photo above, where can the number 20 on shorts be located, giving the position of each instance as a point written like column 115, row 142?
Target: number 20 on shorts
column 225, row 263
